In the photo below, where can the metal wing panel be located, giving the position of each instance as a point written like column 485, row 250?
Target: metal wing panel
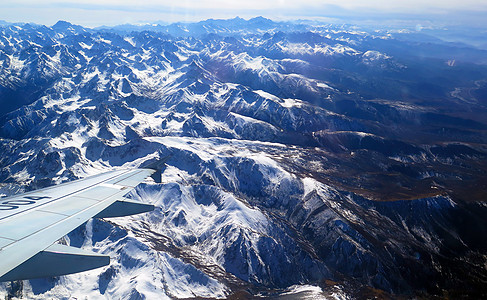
column 70, row 206
column 129, row 181
column 101, row 192
column 26, row 224
column 4, row 242
column 38, row 225
column 19, row 203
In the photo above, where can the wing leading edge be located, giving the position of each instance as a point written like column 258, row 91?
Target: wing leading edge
column 31, row 223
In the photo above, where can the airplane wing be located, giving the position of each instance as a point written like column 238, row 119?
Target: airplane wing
column 31, row 223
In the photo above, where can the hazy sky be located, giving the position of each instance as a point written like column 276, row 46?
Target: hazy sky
column 110, row 12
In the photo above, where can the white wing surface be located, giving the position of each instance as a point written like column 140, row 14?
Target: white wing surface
column 31, row 223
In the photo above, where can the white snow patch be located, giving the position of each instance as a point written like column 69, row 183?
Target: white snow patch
column 267, row 95
column 129, row 40
column 180, row 56
column 323, row 85
column 292, row 103
column 100, row 39
column 85, row 46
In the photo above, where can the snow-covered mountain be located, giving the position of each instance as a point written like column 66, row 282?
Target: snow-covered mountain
column 301, row 160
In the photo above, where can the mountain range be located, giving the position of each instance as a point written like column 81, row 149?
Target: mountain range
column 302, row 159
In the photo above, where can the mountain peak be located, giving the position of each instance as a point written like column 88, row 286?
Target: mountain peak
column 61, row 25
column 64, row 26
column 261, row 19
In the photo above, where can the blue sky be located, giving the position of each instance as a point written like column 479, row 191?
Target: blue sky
column 93, row 13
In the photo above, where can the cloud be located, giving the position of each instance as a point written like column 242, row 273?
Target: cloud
column 111, row 12
column 229, row 5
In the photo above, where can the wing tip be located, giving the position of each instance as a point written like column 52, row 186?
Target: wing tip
column 156, row 165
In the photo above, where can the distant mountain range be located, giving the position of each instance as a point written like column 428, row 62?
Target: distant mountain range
column 303, row 159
